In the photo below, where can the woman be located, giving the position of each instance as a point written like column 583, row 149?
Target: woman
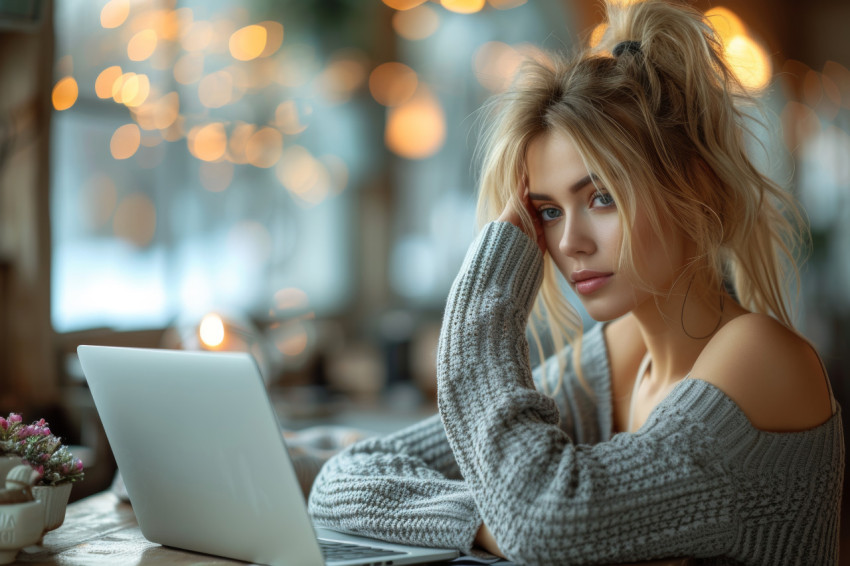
column 693, row 421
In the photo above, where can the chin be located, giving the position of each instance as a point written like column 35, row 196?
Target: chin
column 605, row 311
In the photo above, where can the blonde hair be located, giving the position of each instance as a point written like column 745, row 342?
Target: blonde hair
column 663, row 125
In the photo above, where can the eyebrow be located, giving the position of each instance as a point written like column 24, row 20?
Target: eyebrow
column 575, row 187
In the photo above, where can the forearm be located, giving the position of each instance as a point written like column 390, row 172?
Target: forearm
column 402, row 488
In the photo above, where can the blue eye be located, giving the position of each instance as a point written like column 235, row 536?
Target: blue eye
column 603, row 200
column 547, row 214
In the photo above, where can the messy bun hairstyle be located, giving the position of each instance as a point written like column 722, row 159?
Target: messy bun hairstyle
column 658, row 115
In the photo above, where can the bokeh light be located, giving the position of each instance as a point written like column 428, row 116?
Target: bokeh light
column 403, row 4
column 105, row 80
column 506, row 4
column 264, row 147
column 216, row 89
column 211, row 331
column 726, row 23
column 392, row 83
column 344, row 73
column 125, row 141
column 496, row 64
column 749, row 61
column 417, row 128
column 248, row 42
column 166, row 110
column 142, row 45
column 417, row 23
column 189, row 68
column 596, row 34
column 274, row 37
column 288, row 119
column 135, row 90
column 198, row 36
column 238, row 142
column 114, row 13
column 65, row 93
column 207, row 143
column 463, row 6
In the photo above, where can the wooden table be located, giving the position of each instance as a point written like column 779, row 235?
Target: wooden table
column 102, row 530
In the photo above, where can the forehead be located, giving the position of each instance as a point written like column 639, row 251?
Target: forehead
column 554, row 162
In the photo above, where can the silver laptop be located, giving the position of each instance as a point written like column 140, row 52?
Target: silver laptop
column 204, row 462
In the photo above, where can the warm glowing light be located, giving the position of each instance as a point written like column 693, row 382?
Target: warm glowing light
column 392, row 84
column 142, row 45
column 118, row 87
column 463, row 6
column 125, row 141
column 416, row 24
column 166, row 110
column 216, row 89
column 136, row 90
column 189, row 68
column 65, row 93
column 596, row 34
column 496, row 64
column 211, row 330
column 135, row 219
column 198, row 36
column 239, row 137
column 344, row 74
column 114, row 13
column 207, row 143
column 105, row 80
column 248, row 43
column 287, row 119
column 216, row 177
column 840, row 75
column 416, row 129
column 274, row 37
column 403, row 4
column 749, row 61
column 144, row 116
column 506, row 4
column 264, row 148
column 303, row 175
column 725, row 23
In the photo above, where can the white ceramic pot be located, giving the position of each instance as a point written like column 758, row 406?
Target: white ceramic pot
column 6, row 465
column 21, row 524
column 55, row 500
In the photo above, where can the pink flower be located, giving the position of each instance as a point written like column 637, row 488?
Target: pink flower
column 4, row 424
column 79, row 465
column 45, row 431
column 14, row 418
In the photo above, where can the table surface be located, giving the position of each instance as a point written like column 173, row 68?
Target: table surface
column 102, row 530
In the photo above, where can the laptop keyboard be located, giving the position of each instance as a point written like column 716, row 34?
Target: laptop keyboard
column 343, row 551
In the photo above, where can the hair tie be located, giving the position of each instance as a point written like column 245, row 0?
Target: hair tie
column 630, row 46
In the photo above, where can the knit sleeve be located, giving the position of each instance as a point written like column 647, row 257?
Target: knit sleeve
column 661, row 493
column 405, row 487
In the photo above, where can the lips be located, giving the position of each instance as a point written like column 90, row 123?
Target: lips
column 587, row 281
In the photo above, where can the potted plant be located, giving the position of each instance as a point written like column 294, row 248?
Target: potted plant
column 10, row 449
column 57, row 469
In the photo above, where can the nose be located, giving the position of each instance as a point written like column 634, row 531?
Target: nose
column 577, row 238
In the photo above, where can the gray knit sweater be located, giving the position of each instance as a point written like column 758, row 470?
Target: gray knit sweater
column 547, row 476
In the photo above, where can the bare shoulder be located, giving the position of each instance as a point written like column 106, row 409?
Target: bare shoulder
column 772, row 373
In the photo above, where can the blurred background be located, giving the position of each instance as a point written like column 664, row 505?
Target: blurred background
column 295, row 179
